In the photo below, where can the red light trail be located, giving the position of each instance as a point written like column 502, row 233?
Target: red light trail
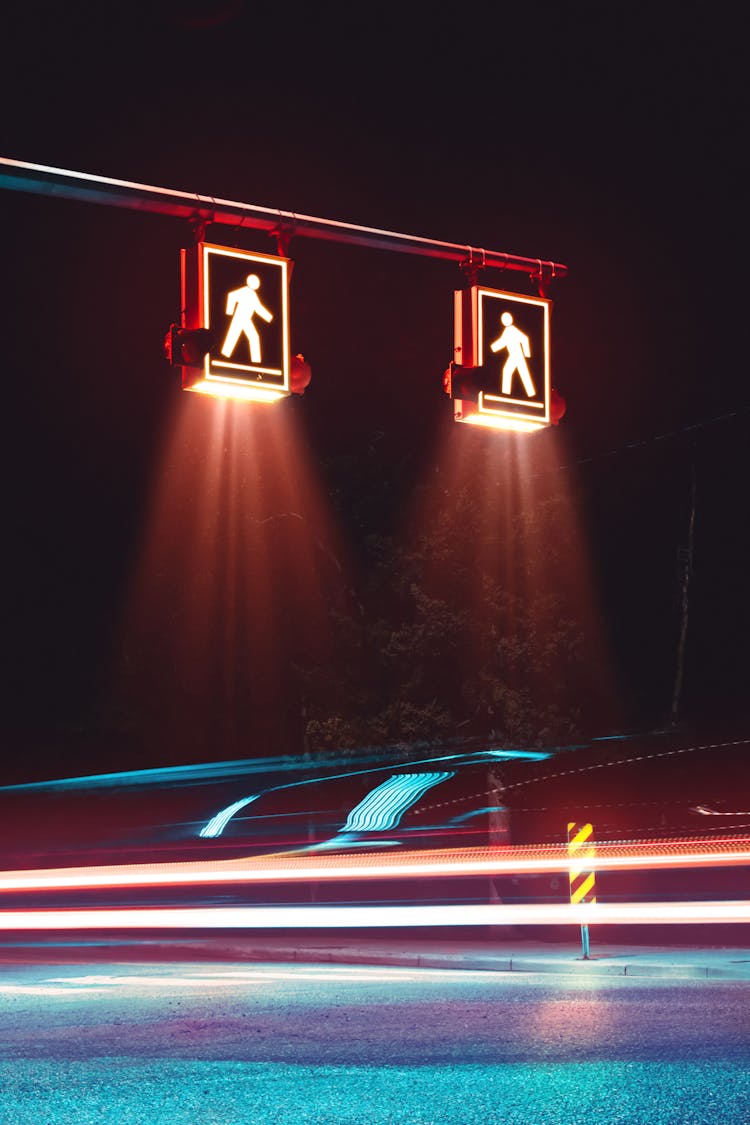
column 630, row 856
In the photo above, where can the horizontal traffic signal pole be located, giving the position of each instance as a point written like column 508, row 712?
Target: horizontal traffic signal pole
column 40, row 179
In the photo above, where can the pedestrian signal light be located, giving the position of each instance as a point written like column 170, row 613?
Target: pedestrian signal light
column 501, row 375
column 233, row 341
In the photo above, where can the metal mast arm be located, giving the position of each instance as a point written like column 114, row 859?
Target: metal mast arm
column 40, row 179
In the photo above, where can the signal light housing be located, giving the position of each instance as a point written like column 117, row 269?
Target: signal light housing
column 187, row 347
column 466, row 383
column 300, row 374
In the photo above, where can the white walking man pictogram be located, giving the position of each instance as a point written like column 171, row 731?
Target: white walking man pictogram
column 516, row 343
column 242, row 305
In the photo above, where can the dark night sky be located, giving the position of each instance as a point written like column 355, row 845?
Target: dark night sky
column 609, row 137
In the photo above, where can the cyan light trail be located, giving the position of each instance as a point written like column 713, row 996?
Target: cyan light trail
column 171, row 775
column 216, row 825
column 384, row 806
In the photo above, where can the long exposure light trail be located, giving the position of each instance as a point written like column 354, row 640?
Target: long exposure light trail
column 632, row 856
column 344, row 917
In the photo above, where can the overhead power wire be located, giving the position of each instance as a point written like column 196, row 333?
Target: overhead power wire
column 667, row 435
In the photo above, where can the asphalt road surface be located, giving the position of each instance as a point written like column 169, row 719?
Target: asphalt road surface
column 197, row 1044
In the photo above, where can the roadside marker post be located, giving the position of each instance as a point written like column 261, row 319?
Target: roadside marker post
column 582, row 853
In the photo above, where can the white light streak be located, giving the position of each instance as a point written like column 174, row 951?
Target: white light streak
column 377, row 917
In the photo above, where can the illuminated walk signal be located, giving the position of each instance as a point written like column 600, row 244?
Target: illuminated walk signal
column 501, row 374
column 234, row 337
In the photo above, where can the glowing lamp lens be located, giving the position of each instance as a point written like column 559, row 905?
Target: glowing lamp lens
column 492, row 423
column 215, row 388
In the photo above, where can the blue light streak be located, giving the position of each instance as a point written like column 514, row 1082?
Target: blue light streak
column 520, row 755
column 218, row 823
column 477, row 812
column 217, row 771
column 166, row 775
column 475, row 758
column 384, row 806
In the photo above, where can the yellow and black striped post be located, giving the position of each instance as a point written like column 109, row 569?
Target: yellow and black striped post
column 582, row 853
